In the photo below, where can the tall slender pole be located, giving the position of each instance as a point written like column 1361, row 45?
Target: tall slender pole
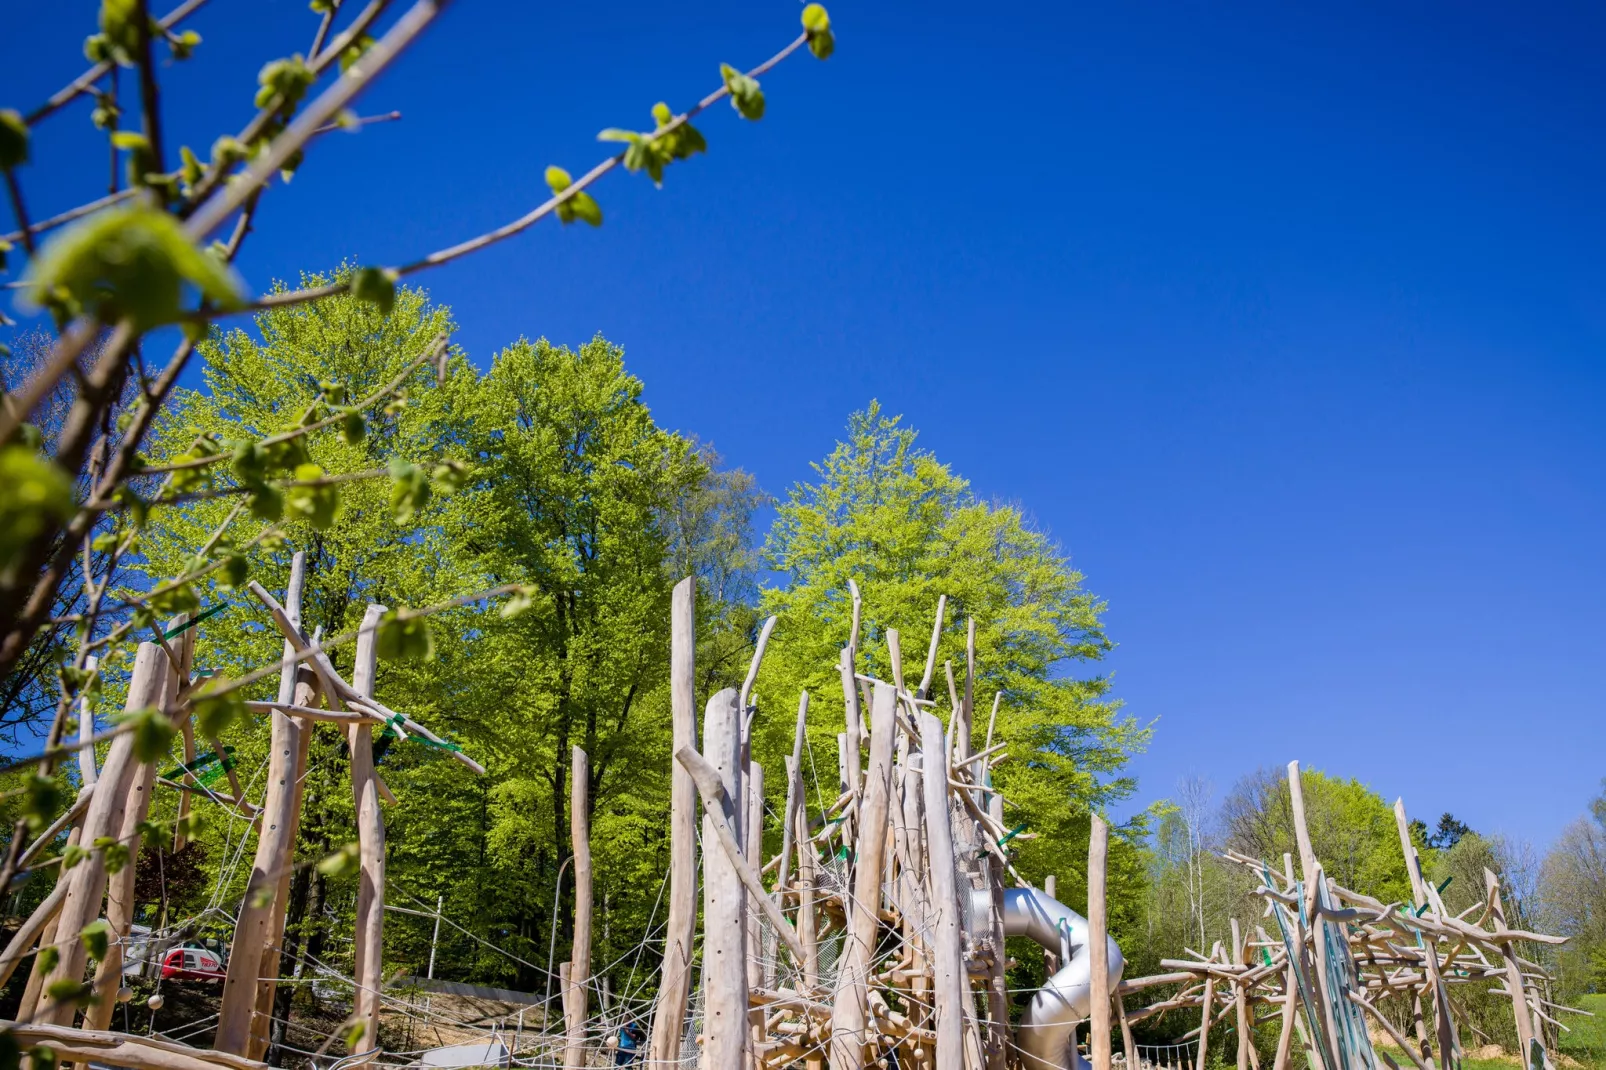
column 1098, row 948
column 669, row 1015
column 574, row 1001
column 725, row 1001
column 434, row 938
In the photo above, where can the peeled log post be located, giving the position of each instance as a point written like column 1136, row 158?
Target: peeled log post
column 948, row 966
column 1051, row 959
column 753, row 831
column 794, row 795
column 1240, row 1002
column 275, row 845
column 849, row 1036
column 669, row 1014
column 1098, row 948
column 147, row 686
column 370, row 932
column 1444, row 1023
column 724, row 900
column 574, row 999
column 1207, row 1003
column 1514, row 982
column 120, row 886
column 1311, row 873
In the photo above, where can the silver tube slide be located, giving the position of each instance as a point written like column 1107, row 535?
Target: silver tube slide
column 1046, row 1030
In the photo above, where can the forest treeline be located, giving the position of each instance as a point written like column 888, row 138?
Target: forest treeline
column 551, row 473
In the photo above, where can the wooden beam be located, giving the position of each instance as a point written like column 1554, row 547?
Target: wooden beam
column 669, row 1013
column 947, row 961
column 849, row 1035
column 718, row 773
column 147, row 687
column 369, row 936
column 275, row 844
column 1098, row 948
column 574, row 1001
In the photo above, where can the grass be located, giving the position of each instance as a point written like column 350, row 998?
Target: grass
column 1585, row 1044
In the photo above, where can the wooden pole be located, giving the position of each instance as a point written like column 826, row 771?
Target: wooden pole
column 1311, row 872
column 1444, row 1023
column 724, row 902
column 574, row 1004
column 86, row 730
column 1208, row 1005
column 1129, row 1050
column 753, row 832
column 1514, row 982
column 120, row 886
column 1240, row 1001
column 370, row 921
column 275, row 846
column 669, row 1015
column 147, row 687
column 795, row 795
column 1098, row 948
column 947, row 963
column 931, row 651
column 849, row 1037
column 1051, row 957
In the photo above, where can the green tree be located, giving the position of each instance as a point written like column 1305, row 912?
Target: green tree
column 572, row 492
column 892, row 517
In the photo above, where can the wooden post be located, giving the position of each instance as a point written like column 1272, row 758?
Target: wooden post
column 724, row 902
column 807, row 923
column 754, row 849
column 1311, row 872
column 574, row 1003
column 849, row 1036
column 931, row 651
column 1129, row 1050
column 967, row 709
column 795, row 794
column 1098, row 947
column 1209, row 1002
column 1051, row 957
column 120, row 886
column 86, row 730
column 1239, row 998
column 275, row 847
column 947, row 962
column 1444, row 1023
column 370, row 921
column 853, row 715
column 669, row 1015
column 1514, row 982
column 147, row 687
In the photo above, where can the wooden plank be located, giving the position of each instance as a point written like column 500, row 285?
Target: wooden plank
column 575, row 1002
column 669, row 1013
column 147, row 686
column 849, row 1033
column 275, row 846
column 369, row 938
column 948, row 966
column 724, row 897
column 1098, row 948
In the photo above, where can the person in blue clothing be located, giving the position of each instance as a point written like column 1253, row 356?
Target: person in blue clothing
column 629, row 1049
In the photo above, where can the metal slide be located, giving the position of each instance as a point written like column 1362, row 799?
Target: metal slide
column 1046, row 1030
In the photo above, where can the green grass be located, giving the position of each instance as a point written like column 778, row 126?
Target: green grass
column 1587, row 1041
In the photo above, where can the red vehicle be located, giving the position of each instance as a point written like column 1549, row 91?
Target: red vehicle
column 192, row 964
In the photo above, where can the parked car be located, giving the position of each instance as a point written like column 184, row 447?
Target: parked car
column 192, row 964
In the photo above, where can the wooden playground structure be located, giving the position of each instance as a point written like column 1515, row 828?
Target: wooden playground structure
column 875, row 936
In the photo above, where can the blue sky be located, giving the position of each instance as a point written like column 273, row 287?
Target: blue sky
column 1286, row 323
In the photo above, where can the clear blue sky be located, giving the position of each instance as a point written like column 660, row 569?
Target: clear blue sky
column 1288, row 324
